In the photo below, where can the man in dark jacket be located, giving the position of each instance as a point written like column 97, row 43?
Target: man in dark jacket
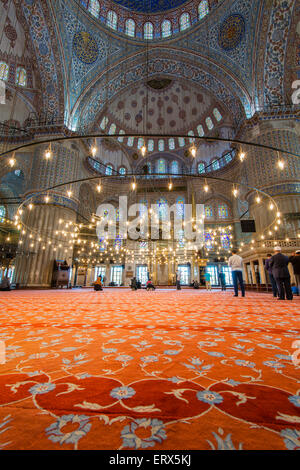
column 272, row 279
column 279, row 265
column 295, row 260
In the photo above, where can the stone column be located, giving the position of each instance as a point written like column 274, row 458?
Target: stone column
column 262, row 271
column 245, row 270
column 253, row 272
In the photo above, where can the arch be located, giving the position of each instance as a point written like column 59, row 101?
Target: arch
column 112, row 19
column 109, row 169
column 148, row 30
column 4, row 71
column 203, row 9
column 94, row 7
column 223, row 211
column 122, row 170
column 161, row 166
column 217, row 114
column 130, row 28
column 208, row 211
column 209, row 123
column 21, row 77
column 112, row 129
column 184, row 21
column 201, row 168
column 166, row 29
column 174, row 167
column 215, row 164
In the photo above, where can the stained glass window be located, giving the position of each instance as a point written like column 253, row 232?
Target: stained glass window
column 200, row 130
column 208, row 212
column 166, row 29
column 120, row 138
column 217, row 114
column 181, row 240
column 208, row 241
column 150, row 145
column 191, row 133
column 130, row 141
column 122, row 171
column 174, row 168
column 2, row 213
column 140, row 143
column 109, row 170
column 118, row 215
column 118, row 241
column 185, row 21
column 172, row 144
column 102, row 244
column 112, row 129
column 180, row 207
column 201, row 168
column 21, row 77
column 203, row 9
column 112, row 19
column 225, row 242
column 148, row 31
column 228, row 157
column 161, row 145
column 162, row 208
column 4, row 69
column 104, row 123
column 130, row 28
column 209, row 123
column 223, row 211
column 161, row 166
column 215, row 164
column 181, row 141
column 94, row 7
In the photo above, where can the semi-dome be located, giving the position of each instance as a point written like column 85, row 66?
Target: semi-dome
column 150, row 6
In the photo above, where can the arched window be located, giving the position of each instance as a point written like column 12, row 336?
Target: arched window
column 21, row 76
column 191, row 133
column 225, row 242
column 201, row 168
column 181, row 141
column 104, row 123
column 171, row 143
column 150, row 145
column 174, row 168
column 130, row 141
column 2, row 213
column 180, row 207
column 217, row 114
column 208, row 212
column 223, row 211
column 185, row 21
column 208, row 241
column 141, row 143
column 161, row 145
column 148, row 30
column 112, row 129
column 94, row 7
column 200, row 130
column 162, row 208
column 102, row 244
column 166, row 29
column 161, row 166
column 118, row 242
column 4, row 70
column 228, row 157
column 112, row 19
column 120, row 138
column 203, row 9
column 209, row 123
column 122, row 171
column 130, row 28
column 109, row 170
column 215, row 164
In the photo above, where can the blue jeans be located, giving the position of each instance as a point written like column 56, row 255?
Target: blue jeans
column 274, row 285
column 237, row 277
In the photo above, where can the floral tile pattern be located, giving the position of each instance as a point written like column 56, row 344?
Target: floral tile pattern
column 159, row 370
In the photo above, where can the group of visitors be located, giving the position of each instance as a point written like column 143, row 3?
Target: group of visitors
column 277, row 268
column 136, row 284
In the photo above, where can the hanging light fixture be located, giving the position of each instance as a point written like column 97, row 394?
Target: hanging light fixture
column 94, row 149
column 48, row 153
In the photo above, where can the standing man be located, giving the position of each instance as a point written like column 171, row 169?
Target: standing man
column 207, row 281
column 295, row 260
column 279, row 264
column 272, row 278
column 235, row 262
column 178, row 281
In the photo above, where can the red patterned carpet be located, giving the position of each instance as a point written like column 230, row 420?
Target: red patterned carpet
column 149, row 370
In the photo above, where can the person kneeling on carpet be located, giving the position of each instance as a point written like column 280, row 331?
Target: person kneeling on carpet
column 5, row 284
column 98, row 284
column 149, row 285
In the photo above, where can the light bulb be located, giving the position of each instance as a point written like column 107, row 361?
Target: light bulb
column 242, row 156
column 99, row 188
column 48, row 154
column 206, row 188
column 133, row 185
column 170, row 186
column 47, row 199
column 94, row 151
column 69, row 193
column 235, row 192
column 12, row 162
column 193, row 151
column 258, row 199
column 143, row 150
column 281, row 164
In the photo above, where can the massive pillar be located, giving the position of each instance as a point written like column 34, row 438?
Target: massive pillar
column 48, row 227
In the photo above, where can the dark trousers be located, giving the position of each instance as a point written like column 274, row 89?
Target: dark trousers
column 223, row 286
column 284, row 288
column 237, row 277
column 178, row 285
column 274, row 285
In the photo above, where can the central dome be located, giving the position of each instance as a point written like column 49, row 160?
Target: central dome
column 150, row 6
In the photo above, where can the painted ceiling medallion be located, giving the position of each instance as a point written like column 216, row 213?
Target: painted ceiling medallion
column 85, row 47
column 231, row 32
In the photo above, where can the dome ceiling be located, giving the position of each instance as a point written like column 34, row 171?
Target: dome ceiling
column 150, row 6
column 170, row 106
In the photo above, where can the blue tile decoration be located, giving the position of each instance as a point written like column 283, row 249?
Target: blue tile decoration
column 150, row 6
column 231, row 32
